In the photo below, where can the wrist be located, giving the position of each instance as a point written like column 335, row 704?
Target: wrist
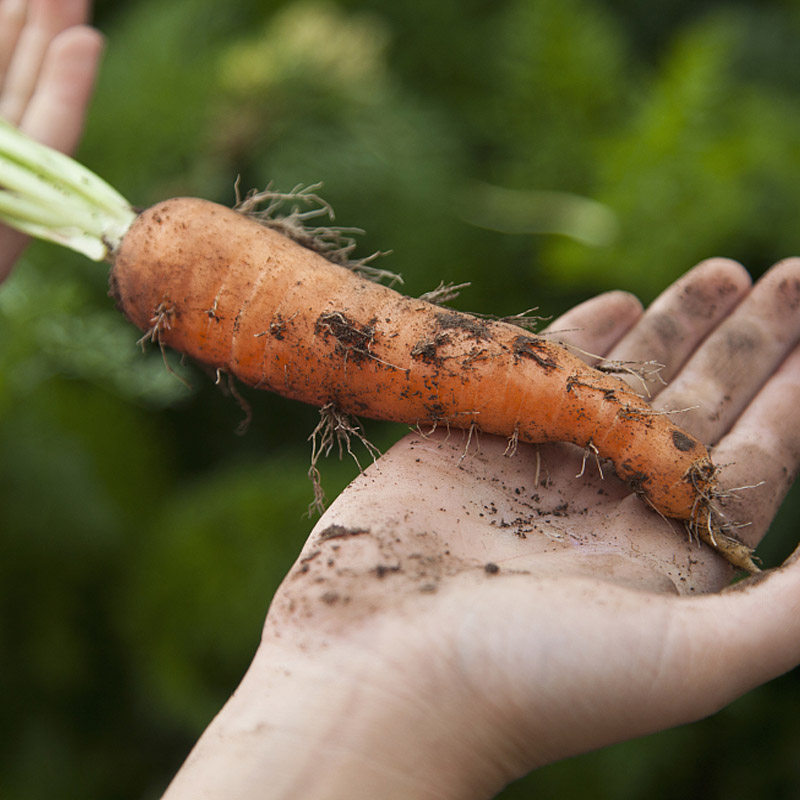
column 315, row 726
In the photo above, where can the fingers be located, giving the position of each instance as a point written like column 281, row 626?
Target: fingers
column 740, row 638
column 682, row 316
column 737, row 359
column 45, row 19
column 57, row 108
column 48, row 60
column 762, row 453
column 12, row 18
column 596, row 325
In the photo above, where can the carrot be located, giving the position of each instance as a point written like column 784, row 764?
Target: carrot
column 242, row 298
column 233, row 294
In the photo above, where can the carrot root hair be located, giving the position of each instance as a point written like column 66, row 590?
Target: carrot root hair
column 291, row 214
column 336, row 428
column 161, row 322
column 708, row 524
column 227, row 380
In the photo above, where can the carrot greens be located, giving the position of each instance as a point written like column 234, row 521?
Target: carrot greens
column 50, row 196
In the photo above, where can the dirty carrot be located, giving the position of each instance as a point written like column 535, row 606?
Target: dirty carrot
column 240, row 297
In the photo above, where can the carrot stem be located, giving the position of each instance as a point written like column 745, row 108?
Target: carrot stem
column 48, row 195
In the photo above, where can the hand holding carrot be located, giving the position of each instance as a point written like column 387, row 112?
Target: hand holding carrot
column 48, row 59
column 459, row 617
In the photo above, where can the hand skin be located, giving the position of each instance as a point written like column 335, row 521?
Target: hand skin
column 48, row 62
column 451, row 624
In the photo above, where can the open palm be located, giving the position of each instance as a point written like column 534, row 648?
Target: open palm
column 462, row 614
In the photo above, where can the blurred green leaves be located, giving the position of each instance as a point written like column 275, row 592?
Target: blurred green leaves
column 310, row 44
column 565, row 81
column 705, row 164
column 542, row 149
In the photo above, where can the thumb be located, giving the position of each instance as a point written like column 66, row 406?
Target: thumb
column 56, row 111
column 746, row 635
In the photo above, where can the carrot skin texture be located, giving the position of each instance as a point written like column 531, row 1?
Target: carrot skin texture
column 239, row 297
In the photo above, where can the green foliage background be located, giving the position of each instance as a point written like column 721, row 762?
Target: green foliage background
column 544, row 150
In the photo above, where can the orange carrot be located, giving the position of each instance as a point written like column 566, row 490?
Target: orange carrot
column 240, row 297
column 223, row 289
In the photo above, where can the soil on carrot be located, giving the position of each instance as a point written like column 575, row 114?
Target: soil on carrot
column 533, row 348
column 277, row 328
column 427, row 350
column 353, row 339
column 477, row 329
column 682, row 442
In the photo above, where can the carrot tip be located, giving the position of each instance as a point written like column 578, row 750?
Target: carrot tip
column 708, row 525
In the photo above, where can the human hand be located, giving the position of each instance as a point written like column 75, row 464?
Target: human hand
column 461, row 615
column 48, row 60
